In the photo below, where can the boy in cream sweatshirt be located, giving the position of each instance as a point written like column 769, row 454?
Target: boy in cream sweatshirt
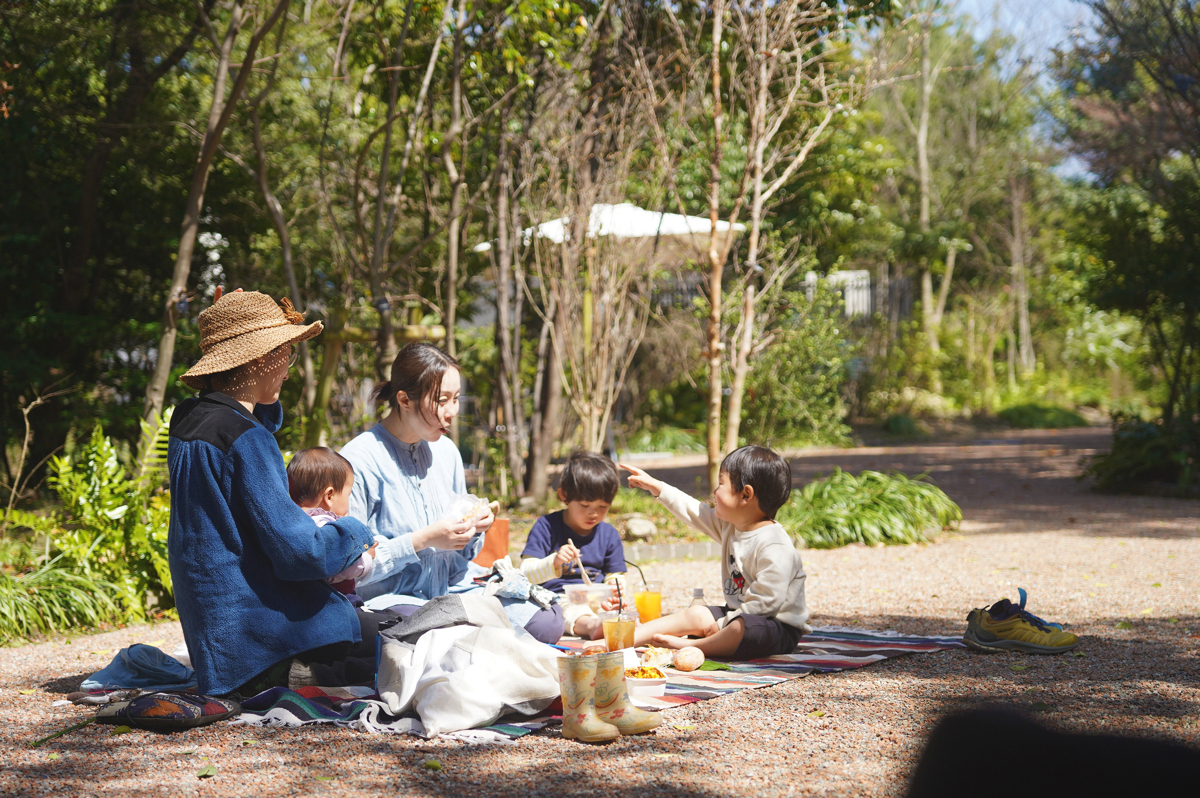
column 763, row 578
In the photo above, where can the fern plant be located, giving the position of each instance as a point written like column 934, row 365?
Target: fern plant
column 869, row 508
column 112, row 525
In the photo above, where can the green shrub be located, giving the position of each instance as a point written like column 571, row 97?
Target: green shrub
column 902, row 425
column 869, row 508
column 52, row 599
column 667, row 439
column 112, row 526
column 794, row 389
column 1147, row 452
column 1041, row 416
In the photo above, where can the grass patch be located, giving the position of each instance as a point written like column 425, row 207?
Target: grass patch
column 869, row 508
column 52, row 599
column 1038, row 416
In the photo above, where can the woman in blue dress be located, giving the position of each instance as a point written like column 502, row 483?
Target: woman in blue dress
column 407, row 474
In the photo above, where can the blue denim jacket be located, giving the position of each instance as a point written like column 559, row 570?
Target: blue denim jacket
column 247, row 563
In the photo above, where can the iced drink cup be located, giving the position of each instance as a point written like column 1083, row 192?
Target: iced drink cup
column 648, row 601
column 618, row 630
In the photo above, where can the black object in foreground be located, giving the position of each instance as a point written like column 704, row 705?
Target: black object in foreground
column 987, row 753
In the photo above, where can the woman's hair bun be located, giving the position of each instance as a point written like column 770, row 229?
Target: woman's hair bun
column 382, row 392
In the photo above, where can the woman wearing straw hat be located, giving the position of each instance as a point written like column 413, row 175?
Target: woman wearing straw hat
column 247, row 563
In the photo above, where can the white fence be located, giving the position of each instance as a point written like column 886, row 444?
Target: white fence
column 855, row 286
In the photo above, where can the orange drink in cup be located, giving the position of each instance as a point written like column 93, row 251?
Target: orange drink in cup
column 648, row 601
column 618, row 630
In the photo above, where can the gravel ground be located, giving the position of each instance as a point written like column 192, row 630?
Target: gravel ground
column 1120, row 571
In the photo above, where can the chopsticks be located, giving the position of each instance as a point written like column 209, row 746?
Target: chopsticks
column 587, row 580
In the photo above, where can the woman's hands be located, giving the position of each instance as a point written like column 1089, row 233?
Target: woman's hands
column 452, row 535
column 640, row 479
column 485, row 522
column 447, row 535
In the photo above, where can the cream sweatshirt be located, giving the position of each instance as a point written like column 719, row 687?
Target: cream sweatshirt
column 761, row 570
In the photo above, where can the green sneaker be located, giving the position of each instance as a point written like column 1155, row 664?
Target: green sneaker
column 1005, row 626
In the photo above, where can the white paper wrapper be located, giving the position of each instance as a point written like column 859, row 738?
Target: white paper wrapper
column 466, row 507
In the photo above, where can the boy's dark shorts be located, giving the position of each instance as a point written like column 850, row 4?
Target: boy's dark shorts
column 763, row 637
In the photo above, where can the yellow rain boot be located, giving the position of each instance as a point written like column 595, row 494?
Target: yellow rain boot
column 612, row 697
column 577, row 680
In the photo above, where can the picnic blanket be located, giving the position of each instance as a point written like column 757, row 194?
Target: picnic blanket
column 824, row 650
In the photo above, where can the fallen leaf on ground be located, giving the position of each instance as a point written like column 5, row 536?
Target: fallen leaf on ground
column 103, row 651
column 325, row 778
column 52, row 756
column 1079, row 654
column 186, row 752
column 156, row 643
column 1017, row 668
column 1124, row 625
column 433, row 764
column 683, row 727
column 1156, row 584
column 817, row 713
column 1147, row 611
column 120, row 730
column 27, row 692
column 249, row 742
column 207, row 772
column 1172, row 620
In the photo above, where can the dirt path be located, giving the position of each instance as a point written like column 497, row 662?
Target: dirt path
column 1121, row 571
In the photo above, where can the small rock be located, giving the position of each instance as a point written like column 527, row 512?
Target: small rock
column 640, row 529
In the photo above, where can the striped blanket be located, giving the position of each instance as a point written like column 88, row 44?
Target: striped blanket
column 824, row 650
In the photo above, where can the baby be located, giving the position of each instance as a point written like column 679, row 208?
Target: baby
column 319, row 482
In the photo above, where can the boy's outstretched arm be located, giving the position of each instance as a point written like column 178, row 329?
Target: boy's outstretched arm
column 684, row 507
column 640, row 479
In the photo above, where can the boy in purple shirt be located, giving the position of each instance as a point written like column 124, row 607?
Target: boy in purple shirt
column 559, row 541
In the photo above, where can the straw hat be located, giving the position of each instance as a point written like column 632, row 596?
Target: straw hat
column 242, row 326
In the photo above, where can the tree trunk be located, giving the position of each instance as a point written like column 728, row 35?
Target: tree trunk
column 944, row 289
column 989, row 366
column 507, row 380
column 285, row 252
column 758, row 144
column 220, row 112
column 385, row 346
column 456, row 180
column 110, row 130
column 1012, row 356
column 716, row 262
column 927, row 308
column 1020, row 279
column 546, row 420
column 741, row 368
column 316, row 429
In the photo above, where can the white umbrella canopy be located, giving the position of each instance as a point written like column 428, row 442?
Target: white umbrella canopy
column 627, row 220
